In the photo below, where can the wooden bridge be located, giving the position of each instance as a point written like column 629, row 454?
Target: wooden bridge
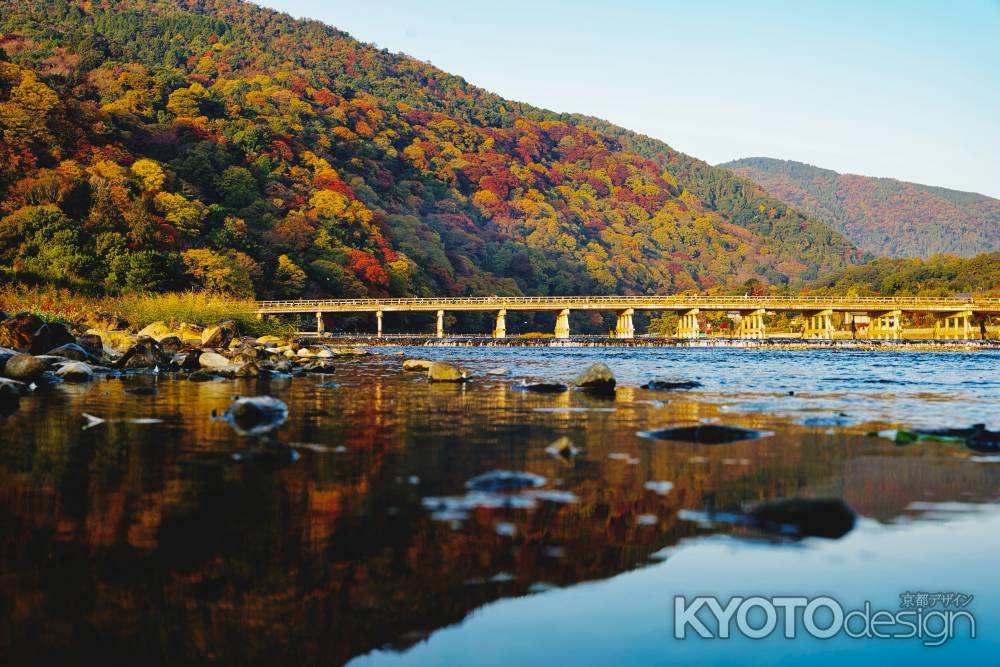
column 873, row 317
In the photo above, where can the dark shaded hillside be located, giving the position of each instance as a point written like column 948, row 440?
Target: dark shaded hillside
column 219, row 145
column 882, row 215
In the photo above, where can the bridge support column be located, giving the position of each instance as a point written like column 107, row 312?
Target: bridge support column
column 954, row 326
column 886, row 326
column 500, row 329
column 687, row 325
column 819, row 325
column 562, row 324
column 752, row 325
column 440, row 324
column 625, row 328
column 378, row 323
column 319, row 323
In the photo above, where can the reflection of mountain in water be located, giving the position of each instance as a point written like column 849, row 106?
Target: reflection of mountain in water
column 151, row 541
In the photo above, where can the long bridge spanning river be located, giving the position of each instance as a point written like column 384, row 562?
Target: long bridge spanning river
column 868, row 317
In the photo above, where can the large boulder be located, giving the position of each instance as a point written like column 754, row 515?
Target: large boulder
column 597, row 379
column 71, row 351
column 171, row 344
column 146, row 353
column 92, row 343
column 220, row 335
column 156, row 330
column 19, row 331
column 50, row 336
column 24, row 368
column 189, row 333
column 118, row 341
column 213, row 360
column 441, row 371
column 76, row 371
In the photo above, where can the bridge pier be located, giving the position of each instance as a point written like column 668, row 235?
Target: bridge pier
column 752, row 325
column 886, row 326
column 625, row 327
column 320, row 328
column 378, row 323
column 954, row 326
column 819, row 325
column 440, row 324
column 500, row 328
column 562, row 324
column 687, row 325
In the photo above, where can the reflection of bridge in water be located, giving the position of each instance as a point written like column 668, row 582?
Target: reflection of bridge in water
column 866, row 317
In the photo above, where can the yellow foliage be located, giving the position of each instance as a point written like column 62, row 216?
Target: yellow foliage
column 150, row 173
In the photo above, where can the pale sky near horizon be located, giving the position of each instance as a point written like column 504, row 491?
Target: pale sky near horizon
column 909, row 90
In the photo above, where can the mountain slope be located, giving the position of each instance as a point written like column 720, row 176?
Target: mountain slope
column 163, row 144
column 882, row 215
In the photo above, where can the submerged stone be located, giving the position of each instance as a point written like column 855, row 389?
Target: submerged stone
column 705, row 434
column 597, row 379
column 10, row 395
column 256, row 415
column 670, row 385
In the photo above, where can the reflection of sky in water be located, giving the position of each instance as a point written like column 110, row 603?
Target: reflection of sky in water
column 629, row 619
column 918, row 388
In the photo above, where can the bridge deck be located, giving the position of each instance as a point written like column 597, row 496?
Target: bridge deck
column 660, row 303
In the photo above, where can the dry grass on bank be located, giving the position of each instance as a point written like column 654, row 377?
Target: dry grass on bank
column 139, row 309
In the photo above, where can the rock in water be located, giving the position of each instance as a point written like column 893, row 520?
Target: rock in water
column 496, row 481
column 156, row 330
column 440, row 371
column 256, row 415
column 144, row 354
column 670, row 385
column 71, row 351
column 831, row 518
column 597, row 379
column 213, row 360
column 93, row 344
column 24, row 368
column 706, row 434
column 220, row 335
column 417, row 365
column 76, row 371
column 51, row 335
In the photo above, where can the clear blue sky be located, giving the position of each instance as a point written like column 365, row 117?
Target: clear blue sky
column 908, row 89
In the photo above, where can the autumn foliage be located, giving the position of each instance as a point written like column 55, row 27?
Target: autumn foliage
column 234, row 149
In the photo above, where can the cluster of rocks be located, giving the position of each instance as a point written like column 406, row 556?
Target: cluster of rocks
column 35, row 353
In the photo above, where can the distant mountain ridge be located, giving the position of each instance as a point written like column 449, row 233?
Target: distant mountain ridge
column 883, row 216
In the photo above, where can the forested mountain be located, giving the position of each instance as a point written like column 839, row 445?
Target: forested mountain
column 936, row 275
column 882, row 216
column 164, row 144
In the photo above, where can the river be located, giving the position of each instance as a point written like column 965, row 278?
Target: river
column 151, row 532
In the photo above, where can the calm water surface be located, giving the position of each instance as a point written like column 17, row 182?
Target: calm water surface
column 160, row 536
